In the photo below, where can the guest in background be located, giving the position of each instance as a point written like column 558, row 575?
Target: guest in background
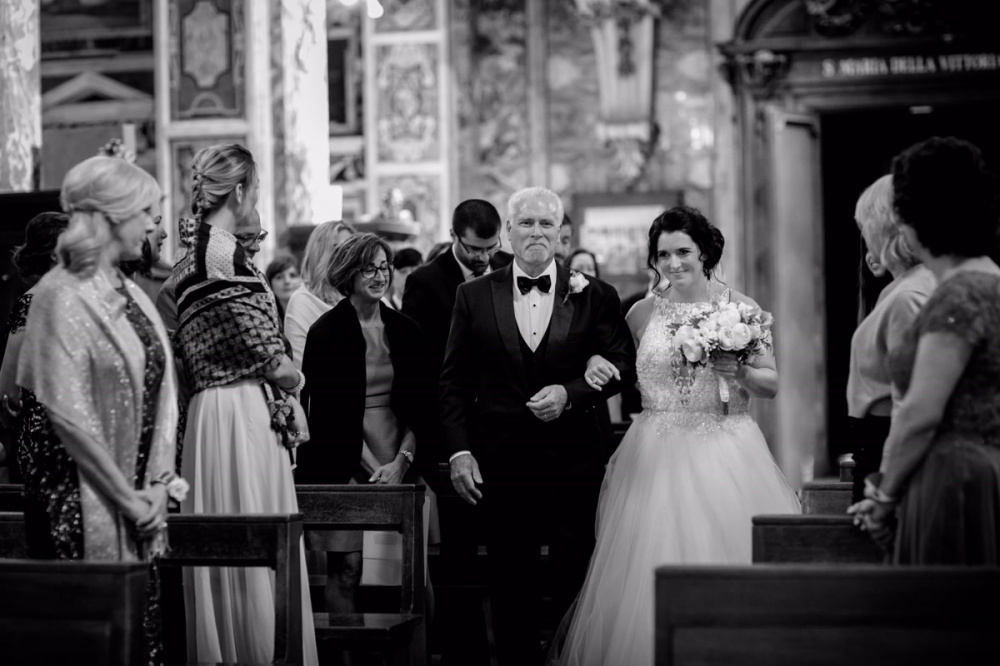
column 236, row 443
column 436, row 250
column 283, row 276
column 870, row 399
column 565, row 241
column 315, row 295
column 941, row 465
column 369, row 396
column 403, row 263
column 584, row 261
column 96, row 357
column 21, row 412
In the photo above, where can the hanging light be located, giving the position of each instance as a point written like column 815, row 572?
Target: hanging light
column 375, row 9
column 348, row 3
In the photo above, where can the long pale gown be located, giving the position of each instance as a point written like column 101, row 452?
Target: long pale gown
column 681, row 489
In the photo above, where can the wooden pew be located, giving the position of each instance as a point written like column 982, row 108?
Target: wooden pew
column 62, row 612
column 826, row 497
column 826, row 616
column 10, row 497
column 801, row 539
column 251, row 540
column 384, row 508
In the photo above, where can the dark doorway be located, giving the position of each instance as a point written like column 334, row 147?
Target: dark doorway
column 857, row 148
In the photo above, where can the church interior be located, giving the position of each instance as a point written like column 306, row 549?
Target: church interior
column 771, row 117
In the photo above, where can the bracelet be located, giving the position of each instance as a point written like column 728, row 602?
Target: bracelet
column 406, row 454
column 299, row 385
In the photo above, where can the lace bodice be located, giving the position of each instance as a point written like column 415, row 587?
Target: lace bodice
column 668, row 384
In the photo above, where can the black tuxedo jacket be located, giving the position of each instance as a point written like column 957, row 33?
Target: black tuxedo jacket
column 486, row 383
column 336, row 383
column 429, row 298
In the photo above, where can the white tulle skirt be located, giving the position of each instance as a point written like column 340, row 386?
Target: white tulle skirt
column 680, row 489
column 234, row 463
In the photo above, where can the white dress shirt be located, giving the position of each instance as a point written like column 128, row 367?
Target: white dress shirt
column 534, row 309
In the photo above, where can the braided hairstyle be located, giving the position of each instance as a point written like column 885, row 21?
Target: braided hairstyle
column 705, row 235
column 215, row 173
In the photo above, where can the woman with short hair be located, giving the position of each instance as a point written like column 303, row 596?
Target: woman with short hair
column 369, row 395
column 871, row 399
column 940, row 472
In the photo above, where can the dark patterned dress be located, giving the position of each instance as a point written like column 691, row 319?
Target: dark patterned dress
column 52, row 513
column 950, row 509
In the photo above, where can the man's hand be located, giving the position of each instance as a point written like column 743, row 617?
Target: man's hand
column 599, row 372
column 465, row 477
column 549, row 403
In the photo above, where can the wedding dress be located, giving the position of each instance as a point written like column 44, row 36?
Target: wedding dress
column 681, row 489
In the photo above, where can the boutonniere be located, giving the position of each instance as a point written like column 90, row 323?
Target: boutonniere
column 577, row 283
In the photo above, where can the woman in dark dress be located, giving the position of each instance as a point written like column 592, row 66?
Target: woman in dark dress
column 941, row 466
column 21, row 412
column 369, row 394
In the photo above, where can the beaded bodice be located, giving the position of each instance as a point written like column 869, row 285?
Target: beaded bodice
column 669, row 384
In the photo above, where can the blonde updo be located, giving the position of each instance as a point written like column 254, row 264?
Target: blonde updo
column 215, row 173
column 98, row 194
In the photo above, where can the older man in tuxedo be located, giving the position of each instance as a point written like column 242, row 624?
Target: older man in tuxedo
column 519, row 418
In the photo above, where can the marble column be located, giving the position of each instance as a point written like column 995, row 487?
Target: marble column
column 301, row 112
column 20, row 94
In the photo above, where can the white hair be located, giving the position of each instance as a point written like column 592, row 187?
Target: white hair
column 518, row 198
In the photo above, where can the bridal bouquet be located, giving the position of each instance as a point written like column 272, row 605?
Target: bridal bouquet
column 709, row 329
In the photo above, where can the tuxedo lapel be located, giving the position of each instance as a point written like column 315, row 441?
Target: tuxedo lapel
column 562, row 310
column 502, row 283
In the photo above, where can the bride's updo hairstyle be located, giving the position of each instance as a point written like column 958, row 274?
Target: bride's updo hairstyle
column 706, row 236
column 215, row 173
column 98, row 194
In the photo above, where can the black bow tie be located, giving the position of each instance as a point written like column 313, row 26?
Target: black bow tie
column 524, row 284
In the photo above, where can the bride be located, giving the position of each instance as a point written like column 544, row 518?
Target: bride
column 689, row 473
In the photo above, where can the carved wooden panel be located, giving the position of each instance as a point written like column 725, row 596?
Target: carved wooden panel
column 207, row 63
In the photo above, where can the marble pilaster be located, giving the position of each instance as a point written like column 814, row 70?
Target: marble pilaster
column 300, row 110
column 20, row 94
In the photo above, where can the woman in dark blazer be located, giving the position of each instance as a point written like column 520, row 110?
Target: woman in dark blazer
column 369, row 394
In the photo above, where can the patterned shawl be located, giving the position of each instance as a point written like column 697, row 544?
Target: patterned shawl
column 227, row 319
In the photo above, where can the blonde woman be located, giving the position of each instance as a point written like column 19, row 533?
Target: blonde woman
column 96, row 357
column 243, row 414
column 870, row 397
column 316, row 295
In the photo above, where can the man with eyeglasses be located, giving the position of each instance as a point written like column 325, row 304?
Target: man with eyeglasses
column 429, row 298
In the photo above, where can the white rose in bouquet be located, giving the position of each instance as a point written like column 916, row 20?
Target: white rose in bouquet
column 726, row 338
column 729, row 315
column 692, row 350
column 741, row 336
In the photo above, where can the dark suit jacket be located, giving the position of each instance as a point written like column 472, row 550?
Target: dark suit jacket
column 485, row 383
column 429, row 297
column 336, row 383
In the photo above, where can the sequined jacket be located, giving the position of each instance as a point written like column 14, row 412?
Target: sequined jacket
column 84, row 362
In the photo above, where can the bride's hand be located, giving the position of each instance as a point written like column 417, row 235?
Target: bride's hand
column 725, row 364
column 599, row 372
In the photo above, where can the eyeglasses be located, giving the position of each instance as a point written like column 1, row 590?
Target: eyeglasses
column 478, row 250
column 368, row 272
column 246, row 240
